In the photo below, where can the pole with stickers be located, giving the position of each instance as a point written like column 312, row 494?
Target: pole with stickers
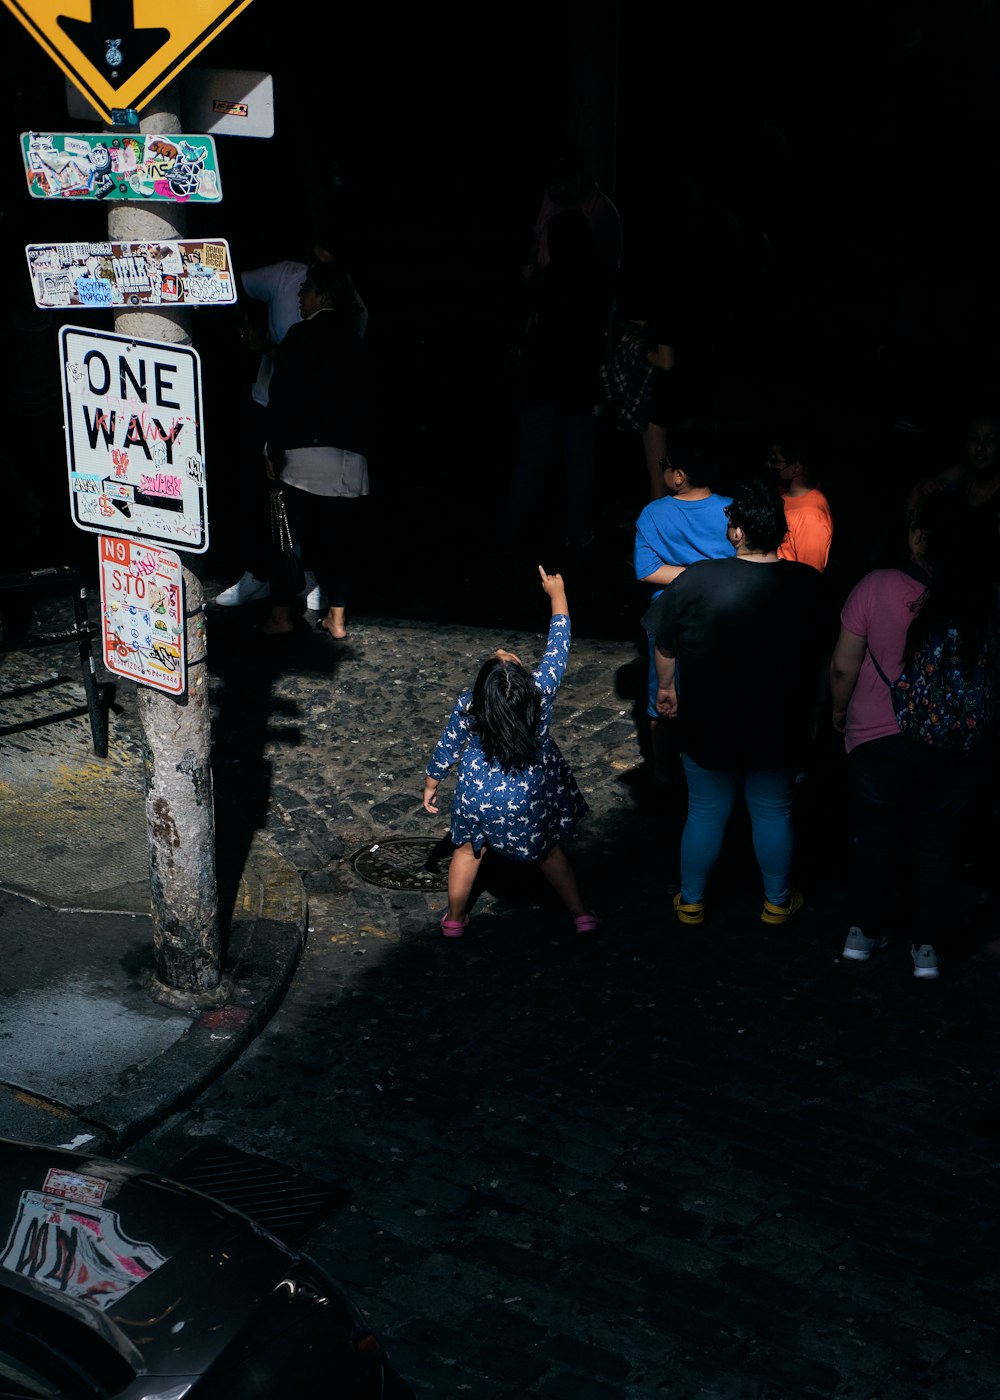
column 180, row 819
column 133, row 419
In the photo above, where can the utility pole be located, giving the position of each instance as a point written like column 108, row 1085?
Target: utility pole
column 180, row 817
column 129, row 73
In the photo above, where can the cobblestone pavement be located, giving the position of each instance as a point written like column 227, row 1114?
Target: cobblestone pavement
column 718, row 1163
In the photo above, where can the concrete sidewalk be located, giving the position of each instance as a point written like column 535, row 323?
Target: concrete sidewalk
column 88, row 1057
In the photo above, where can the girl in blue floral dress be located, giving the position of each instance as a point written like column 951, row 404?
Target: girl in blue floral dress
column 515, row 793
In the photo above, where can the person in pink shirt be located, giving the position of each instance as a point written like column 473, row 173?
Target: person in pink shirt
column 909, row 796
column 572, row 185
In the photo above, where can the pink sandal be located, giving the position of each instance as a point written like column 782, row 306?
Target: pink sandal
column 454, row 928
column 586, row 923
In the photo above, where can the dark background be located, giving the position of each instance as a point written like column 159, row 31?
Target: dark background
column 830, row 177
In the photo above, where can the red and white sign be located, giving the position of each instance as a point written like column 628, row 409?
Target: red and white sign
column 142, row 607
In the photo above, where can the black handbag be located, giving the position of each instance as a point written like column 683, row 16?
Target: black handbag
column 284, row 571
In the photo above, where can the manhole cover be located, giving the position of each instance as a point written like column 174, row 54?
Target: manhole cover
column 405, row 863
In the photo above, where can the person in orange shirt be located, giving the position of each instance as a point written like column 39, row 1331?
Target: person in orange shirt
column 807, row 511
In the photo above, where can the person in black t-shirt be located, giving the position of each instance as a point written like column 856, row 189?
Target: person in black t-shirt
column 740, row 644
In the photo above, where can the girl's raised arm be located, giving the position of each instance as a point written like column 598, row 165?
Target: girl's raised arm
column 553, row 585
column 549, row 671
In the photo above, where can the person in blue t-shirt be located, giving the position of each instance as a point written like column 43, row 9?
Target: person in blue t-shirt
column 686, row 525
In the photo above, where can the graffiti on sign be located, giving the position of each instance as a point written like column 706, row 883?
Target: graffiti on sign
column 79, row 1250
column 183, row 169
column 195, row 272
column 142, row 608
column 134, row 446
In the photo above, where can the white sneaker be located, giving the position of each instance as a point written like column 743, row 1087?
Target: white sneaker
column 859, row 948
column 925, row 961
column 247, row 590
column 313, row 596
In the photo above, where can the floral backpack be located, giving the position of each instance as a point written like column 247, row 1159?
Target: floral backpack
column 937, row 701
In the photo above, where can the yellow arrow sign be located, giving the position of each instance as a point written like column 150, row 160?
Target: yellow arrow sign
column 120, row 53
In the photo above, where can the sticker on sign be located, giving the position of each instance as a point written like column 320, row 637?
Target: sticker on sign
column 142, row 608
column 168, row 272
column 62, row 165
column 134, row 441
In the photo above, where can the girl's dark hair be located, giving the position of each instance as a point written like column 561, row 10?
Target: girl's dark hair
column 960, row 594
column 759, row 511
column 505, row 711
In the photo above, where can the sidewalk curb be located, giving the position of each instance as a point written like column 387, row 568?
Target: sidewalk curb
column 269, row 927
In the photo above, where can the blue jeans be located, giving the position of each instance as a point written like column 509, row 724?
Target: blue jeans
column 712, row 795
column 909, row 802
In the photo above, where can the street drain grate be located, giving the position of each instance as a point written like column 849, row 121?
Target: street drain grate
column 405, row 863
column 284, row 1201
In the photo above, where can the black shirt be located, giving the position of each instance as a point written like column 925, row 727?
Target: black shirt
column 320, row 395
column 750, row 640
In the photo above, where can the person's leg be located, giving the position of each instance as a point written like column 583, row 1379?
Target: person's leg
column 340, row 527
column 254, row 496
column 278, row 621
column 556, row 868
column 882, row 789
column 536, row 437
column 654, row 447
column 462, row 874
column 769, row 801
column 252, row 512
column 711, row 798
column 579, row 441
column 662, row 732
column 946, row 784
column 663, row 743
column 334, row 621
column 249, row 511
column 299, row 510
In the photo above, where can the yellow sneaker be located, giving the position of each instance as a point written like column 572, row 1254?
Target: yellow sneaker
column 781, row 913
column 688, row 913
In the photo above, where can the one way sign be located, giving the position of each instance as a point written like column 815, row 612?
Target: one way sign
column 108, row 50
column 134, row 442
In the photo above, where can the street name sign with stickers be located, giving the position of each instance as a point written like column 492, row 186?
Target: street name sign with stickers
column 60, row 165
column 134, row 442
column 98, row 276
column 108, row 50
